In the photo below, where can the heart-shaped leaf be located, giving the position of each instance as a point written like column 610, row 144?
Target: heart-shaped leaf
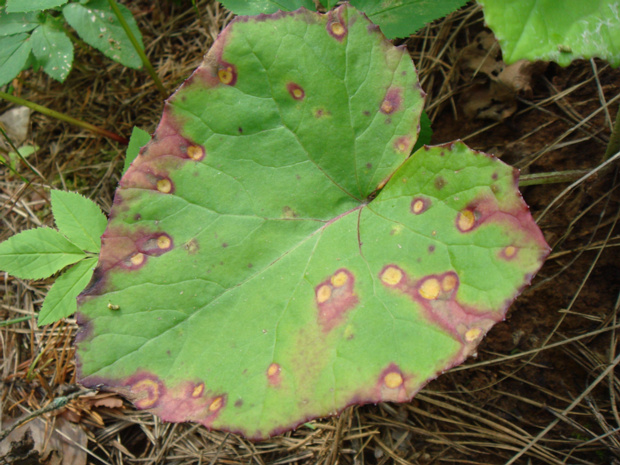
column 256, row 272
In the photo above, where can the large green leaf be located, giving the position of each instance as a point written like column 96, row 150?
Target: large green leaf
column 257, row 271
column 553, row 30
column 14, row 53
column 20, row 6
column 255, row 7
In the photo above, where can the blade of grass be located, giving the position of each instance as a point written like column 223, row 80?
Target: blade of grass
column 145, row 61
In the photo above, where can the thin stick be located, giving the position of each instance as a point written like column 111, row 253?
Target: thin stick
column 551, row 178
column 63, row 117
column 136, row 45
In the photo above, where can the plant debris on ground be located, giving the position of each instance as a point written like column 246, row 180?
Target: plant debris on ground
column 543, row 386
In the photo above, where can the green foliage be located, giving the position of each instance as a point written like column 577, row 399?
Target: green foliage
column 32, row 33
column 396, row 18
column 39, row 253
column 12, row 158
column 139, row 138
column 274, row 254
column 552, row 30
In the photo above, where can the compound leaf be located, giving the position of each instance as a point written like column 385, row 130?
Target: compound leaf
column 79, row 219
column 53, row 49
column 37, row 253
column 60, row 300
column 14, row 53
column 274, row 254
column 99, row 27
column 555, row 31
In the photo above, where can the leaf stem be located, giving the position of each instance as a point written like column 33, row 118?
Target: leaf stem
column 138, row 48
column 63, row 117
column 551, row 178
column 14, row 321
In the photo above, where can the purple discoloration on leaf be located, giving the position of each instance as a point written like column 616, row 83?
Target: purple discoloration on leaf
column 227, row 73
column 403, row 144
column 336, row 25
column 392, row 101
column 273, row 374
column 419, row 205
column 146, row 390
column 295, row 90
column 334, row 297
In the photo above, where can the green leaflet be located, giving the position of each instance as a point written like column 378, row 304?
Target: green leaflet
column 555, row 31
column 274, row 254
column 14, row 52
column 60, row 300
column 37, row 253
column 98, row 26
column 79, row 219
column 138, row 139
column 255, row 7
column 53, row 49
column 16, row 23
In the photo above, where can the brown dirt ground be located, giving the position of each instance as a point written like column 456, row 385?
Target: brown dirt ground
column 534, row 385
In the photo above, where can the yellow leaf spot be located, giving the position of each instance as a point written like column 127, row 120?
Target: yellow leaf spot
column 339, row 279
column 510, row 251
column 194, row 152
column 164, row 186
column 151, row 388
column 337, row 29
column 418, row 206
column 393, row 380
column 387, row 107
column 392, row 276
column 137, row 259
column 430, row 289
column 216, row 404
column 449, row 282
column 163, row 242
column 273, row 369
column 298, row 93
column 466, row 220
column 198, row 390
column 473, row 334
column 226, row 75
column 324, row 293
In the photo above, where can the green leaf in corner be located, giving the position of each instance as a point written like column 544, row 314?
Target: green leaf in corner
column 53, row 49
column 14, row 53
column 401, row 18
column 60, row 300
column 138, row 139
column 22, row 6
column 37, row 253
column 98, row 26
column 79, row 219
column 426, row 132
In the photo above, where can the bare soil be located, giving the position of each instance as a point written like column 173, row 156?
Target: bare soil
column 535, row 387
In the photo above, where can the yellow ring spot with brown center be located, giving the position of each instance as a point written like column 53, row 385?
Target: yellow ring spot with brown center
column 194, row 152
column 323, row 293
column 273, row 369
column 137, row 259
column 216, row 404
column 473, row 334
column 163, row 242
column 164, row 186
column 339, row 279
column 225, row 75
column 393, row 380
column 449, row 282
column 466, row 220
column 297, row 93
column 337, row 29
column 392, row 276
column 152, row 390
column 430, row 289
column 418, row 206
column 198, row 390
column 510, row 251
